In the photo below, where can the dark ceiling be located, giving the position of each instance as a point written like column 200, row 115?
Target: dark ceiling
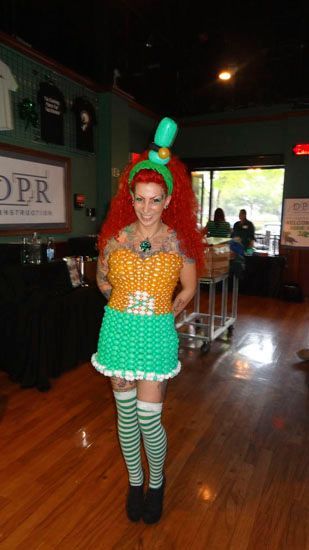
column 167, row 54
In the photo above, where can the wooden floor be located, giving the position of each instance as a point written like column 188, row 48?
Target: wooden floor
column 237, row 467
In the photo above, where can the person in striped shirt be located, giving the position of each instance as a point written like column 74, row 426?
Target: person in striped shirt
column 218, row 227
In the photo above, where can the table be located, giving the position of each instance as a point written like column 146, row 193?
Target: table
column 46, row 326
column 263, row 275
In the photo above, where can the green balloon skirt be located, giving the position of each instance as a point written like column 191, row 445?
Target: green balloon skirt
column 137, row 347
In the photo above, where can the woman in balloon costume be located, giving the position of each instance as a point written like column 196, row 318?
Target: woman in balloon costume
column 148, row 243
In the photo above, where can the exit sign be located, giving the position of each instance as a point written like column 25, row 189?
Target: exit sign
column 301, row 149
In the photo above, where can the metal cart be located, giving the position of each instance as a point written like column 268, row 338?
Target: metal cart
column 206, row 327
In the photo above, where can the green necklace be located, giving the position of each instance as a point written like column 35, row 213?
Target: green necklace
column 145, row 244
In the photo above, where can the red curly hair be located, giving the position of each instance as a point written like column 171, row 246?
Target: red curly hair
column 180, row 214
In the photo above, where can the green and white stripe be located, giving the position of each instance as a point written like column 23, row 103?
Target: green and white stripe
column 154, row 438
column 129, row 434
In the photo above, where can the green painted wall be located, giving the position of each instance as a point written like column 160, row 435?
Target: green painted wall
column 103, row 192
column 119, row 137
column 141, row 130
column 122, row 130
column 29, row 74
column 297, row 168
column 113, row 148
column 241, row 133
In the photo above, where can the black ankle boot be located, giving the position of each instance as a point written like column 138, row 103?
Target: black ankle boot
column 153, row 504
column 135, row 502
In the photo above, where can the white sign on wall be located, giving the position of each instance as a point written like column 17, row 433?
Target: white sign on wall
column 33, row 191
column 295, row 223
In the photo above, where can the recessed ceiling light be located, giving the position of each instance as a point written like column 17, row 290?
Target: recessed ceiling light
column 225, row 75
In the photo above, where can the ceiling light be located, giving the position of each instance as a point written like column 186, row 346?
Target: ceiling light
column 225, row 75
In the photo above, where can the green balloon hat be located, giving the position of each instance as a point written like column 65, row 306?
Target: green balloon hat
column 159, row 153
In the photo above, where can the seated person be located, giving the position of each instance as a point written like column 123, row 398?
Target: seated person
column 244, row 230
column 218, row 227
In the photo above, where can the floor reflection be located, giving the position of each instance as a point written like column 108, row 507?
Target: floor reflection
column 242, row 369
column 82, row 439
column 258, row 348
column 254, row 352
column 205, row 493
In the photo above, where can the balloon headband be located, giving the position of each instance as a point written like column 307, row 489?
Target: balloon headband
column 159, row 154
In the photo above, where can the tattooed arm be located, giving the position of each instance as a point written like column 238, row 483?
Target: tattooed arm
column 102, row 281
column 188, row 283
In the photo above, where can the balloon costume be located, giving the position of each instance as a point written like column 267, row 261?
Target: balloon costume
column 138, row 340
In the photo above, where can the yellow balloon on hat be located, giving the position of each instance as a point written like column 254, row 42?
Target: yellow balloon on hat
column 164, row 152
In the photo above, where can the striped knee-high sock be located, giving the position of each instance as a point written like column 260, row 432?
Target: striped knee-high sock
column 154, row 438
column 129, row 434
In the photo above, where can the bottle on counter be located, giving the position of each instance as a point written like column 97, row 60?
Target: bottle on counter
column 50, row 250
column 35, row 249
column 24, row 251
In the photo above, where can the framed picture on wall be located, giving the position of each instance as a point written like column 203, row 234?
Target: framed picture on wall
column 35, row 191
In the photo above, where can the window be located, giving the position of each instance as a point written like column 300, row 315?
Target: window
column 258, row 190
